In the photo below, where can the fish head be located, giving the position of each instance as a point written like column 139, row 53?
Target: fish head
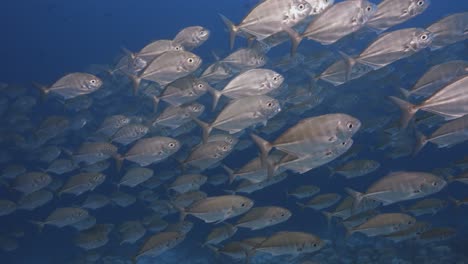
column 270, row 107
column 421, row 39
column 98, row 178
column 92, row 83
column 416, row 7
column 348, row 126
column 138, row 64
column 282, row 215
column 201, row 35
column 318, row 6
column 274, row 80
column 405, row 222
column 243, row 204
column 311, row 245
column 433, row 185
column 299, row 9
column 190, row 62
column 42, row 179
column 171, row 146
column 199, row 87
column 195, row 109
column 368, row 10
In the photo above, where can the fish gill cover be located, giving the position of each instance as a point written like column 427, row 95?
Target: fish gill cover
column 234, row 131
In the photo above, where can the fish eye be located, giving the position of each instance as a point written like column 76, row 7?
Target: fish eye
column 200, row 85
column 420, row 3
column 172, row 145
column 242, row 204
column 369, row 9
column 343, row 143
column 190, row 60
column 424, row 37
column 301, row 6
column 275, row 78
column 410, row 222
column 350, row 125
column 315, row 245
column 270, row 104
column 434, row 184
column 203, row 33
column 93, row 81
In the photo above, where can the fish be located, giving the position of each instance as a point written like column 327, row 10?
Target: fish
column 135, row 176
column 192, row 37
column 269, row 17
column 384, row 224
column 326, row 29
column 356, row 168
column 448, row 135
column 262, row 217
column 449, row 102
column 393, row 12
column 73, row 85
column 217, row 208
column 241, row 114
column 401, row 186
column 167, row 68
column 160, row 243
column 249, row 83
column 449, row 30
column 150, row 150
column 437, row 77
column 82, row 182
column 220, row 234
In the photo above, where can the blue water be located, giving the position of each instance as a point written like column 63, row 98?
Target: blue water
column 43, row 40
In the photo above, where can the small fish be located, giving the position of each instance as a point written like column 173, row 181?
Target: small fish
column 262, row 217
column 191, row 37
column 356, row 168
column 384, row 224
column 449, row 30
column 220, row 234
column 451, row 102
column 73, row 85
column 160, row 243
column 218, row 208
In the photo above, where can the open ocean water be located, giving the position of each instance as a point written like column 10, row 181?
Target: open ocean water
column 131, row 135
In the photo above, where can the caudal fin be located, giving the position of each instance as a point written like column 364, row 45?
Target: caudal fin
column 295, row 37
column 408, row 110
column 356, row 195
column 42, row 89
column 404, row 92
column 216, row 95
column 349, row 62
column 155, row 103
column 232, row 175
column 421, row 141
column 204, row 126
column 264, row 146
column 38, row 224
column 232, row 30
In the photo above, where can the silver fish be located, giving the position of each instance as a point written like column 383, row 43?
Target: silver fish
column 73, row 85
column 393, row 12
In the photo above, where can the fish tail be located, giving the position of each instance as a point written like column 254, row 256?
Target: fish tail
column 233, row 29
column 295, row 37
column 155, row 103
column 182, row 213
column 328, row 216
column 408, row 110
column 230, row 172
column 301, row 205
column 44, row 90
column 135, row 81
column 349, row 62
column 332, row 172
column 264, row 146
column 421, row 141
column 40, row 225
column 216, row 96
column 213, row 248
column 406, row 93
column 204, row 126
column 456, row 202
column 356, row 195
column 118, row 162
